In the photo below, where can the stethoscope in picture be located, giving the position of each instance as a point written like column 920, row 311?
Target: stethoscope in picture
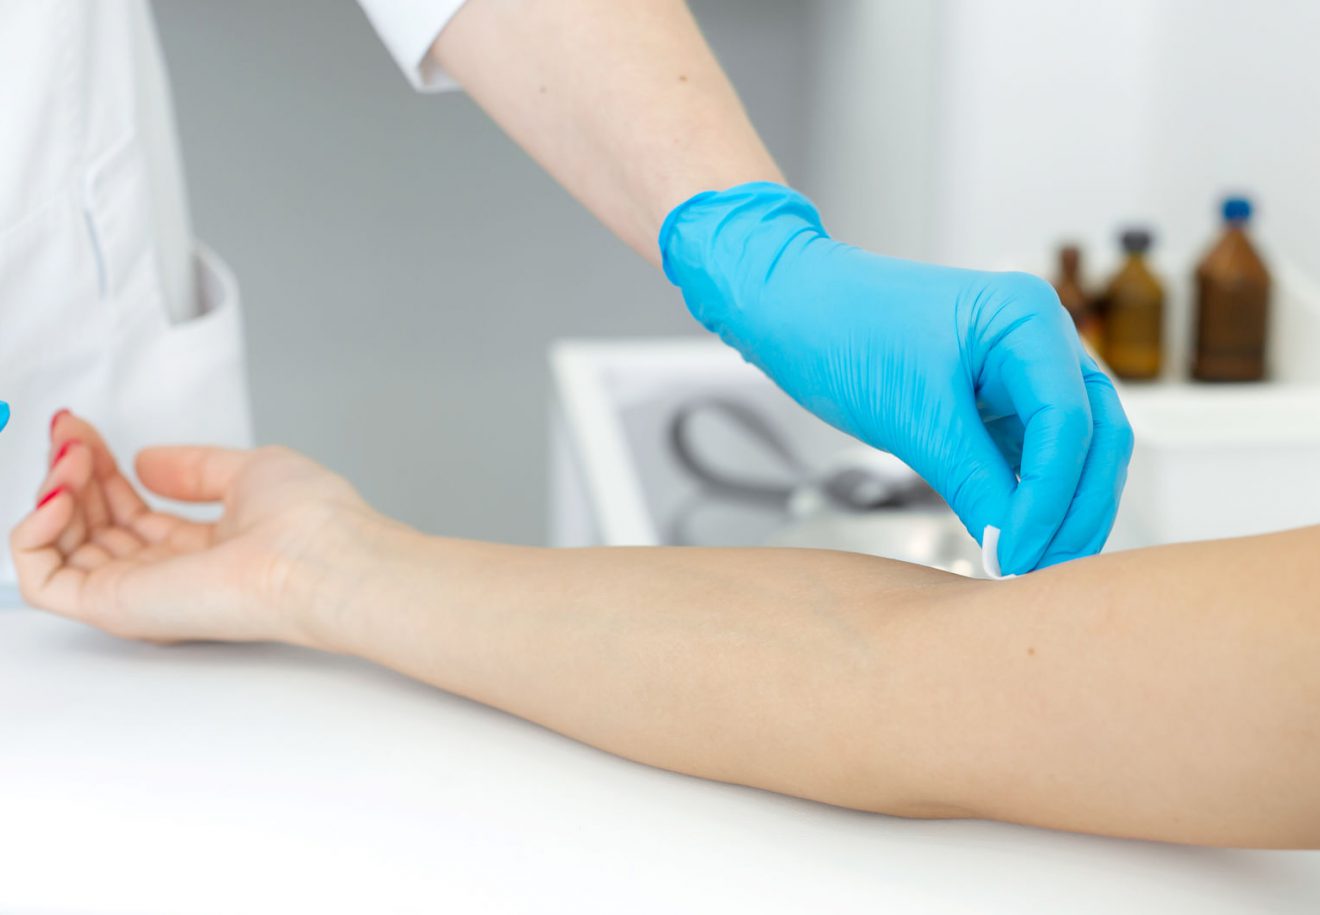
column 862, row 499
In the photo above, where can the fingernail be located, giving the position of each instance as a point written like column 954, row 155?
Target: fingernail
column 56, row 418
column 50, row 495
column 64, row 449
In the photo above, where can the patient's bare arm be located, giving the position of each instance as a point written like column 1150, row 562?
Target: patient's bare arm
column 1171, row 693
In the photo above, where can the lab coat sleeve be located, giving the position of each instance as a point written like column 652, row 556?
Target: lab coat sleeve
column 409, row 28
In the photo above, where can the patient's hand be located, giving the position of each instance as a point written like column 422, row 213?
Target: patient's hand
column 94, row 551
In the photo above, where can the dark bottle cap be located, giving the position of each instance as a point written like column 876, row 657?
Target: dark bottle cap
column 1136, row 241
column 1237, row 209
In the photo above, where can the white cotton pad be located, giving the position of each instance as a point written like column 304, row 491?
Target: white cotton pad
column 990, row 553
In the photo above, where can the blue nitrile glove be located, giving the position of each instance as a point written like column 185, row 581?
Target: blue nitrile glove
column 974, row 379
column 4, row 414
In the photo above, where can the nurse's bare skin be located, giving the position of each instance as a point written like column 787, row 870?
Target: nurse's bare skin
column 1169, row 694
column 621, row 101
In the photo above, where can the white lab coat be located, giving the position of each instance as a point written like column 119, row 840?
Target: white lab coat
column 107, row 304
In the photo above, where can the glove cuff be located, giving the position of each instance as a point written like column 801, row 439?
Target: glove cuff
column 719, row 247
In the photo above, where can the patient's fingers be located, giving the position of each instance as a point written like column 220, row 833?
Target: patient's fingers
column 118, row 542
column 72, row 471
column 190, row 473
column 176, row 533
column 122, row 499
column 60, row 433
column 67, row 430
column 66, row 425
column 71, row 467
column 117, row 500
column 88, row 557
column 43, row 526
column 43, row 578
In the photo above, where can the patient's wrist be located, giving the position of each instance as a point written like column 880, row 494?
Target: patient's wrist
column 353, row 581
column 434, row 608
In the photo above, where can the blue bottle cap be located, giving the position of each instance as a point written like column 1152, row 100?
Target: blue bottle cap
column 1237, row 209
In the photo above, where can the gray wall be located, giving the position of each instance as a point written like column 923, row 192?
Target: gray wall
column 403, row 264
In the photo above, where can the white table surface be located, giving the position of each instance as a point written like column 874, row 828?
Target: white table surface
column 257, row 778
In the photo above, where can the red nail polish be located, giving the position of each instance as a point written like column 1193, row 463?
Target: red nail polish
column 64, row 449
column 56, row 418
column 50, row 495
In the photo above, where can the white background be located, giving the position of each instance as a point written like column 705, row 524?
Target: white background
column 983, row 133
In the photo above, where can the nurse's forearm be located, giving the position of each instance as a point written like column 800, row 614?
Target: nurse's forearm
column 1168, row 694
column 620, row 100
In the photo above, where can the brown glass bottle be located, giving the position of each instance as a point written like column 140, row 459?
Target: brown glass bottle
column 1134, row 313
column 1232, row 304
column 1068, row 284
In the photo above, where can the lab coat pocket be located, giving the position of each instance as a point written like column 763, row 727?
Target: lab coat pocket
column 187, row 382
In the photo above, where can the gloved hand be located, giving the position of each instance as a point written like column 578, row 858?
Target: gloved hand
column 974, row 379
column 4, row 414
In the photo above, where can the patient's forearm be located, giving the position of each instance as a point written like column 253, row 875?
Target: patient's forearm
column 1168, row 694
